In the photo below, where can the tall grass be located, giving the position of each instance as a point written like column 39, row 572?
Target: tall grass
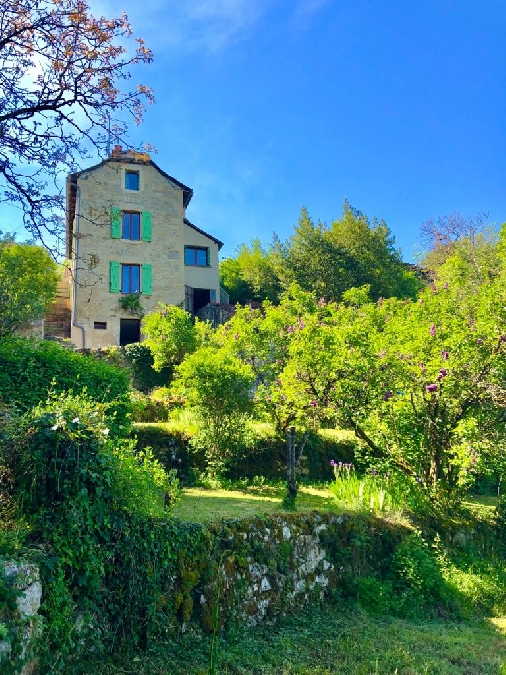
column 371, row 492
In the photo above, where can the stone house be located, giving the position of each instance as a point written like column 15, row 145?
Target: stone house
column 130, row 246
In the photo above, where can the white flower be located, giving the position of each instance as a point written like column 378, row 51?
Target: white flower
column 105, row 432
column 75, row 420
column 54, row 428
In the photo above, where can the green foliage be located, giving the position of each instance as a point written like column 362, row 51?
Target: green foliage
column 147, row 409
column 239, row 290
column 217, row 387
column 171, row 335
column 325, row 260
column 31, row 368
column 418, row 578
column 131, row 303
column 144, row 376
column 93, row 500
column 61, row 452
column 372, row 491
column 28, row 279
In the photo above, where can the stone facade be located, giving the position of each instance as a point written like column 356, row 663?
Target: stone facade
column 111, row 261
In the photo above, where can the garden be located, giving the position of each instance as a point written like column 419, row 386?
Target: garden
column 312, row 487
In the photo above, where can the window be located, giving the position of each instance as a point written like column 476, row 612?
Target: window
column 100, row 325
column 127, row 278
column 195, row 255
column 131, row 225
column 131, row 180
column 130, row 278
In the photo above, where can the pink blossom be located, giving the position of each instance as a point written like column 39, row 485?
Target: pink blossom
column 432, row 330
column 431, row 388
column 444, row 355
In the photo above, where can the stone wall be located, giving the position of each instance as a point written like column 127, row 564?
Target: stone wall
column 252, row 570
column 21, row 586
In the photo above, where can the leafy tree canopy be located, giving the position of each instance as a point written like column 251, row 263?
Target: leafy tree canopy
column 61, row 71
column 28, row 280
column 324, row 260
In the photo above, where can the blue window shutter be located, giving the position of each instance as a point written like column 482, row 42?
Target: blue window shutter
column 114, row 276
column 146, row 226
column 116, row 217
column 147, row 279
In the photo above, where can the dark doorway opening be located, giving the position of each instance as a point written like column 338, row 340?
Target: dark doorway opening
column 201, row 298
column 129, row 331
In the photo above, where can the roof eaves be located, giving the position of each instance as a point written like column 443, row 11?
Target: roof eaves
column 206, row 234
column 187, row 191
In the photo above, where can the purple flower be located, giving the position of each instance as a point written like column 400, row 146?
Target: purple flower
column 479, row 341
column 387, row 395
column 278, row 382
column 313, row 404
column 418, row 479
column 442, row 373
column 290, row 329
column 431, row 388
column 502, row 338
column 332, row 463
column 236, row 336
column 444, row 355
column 301, row 323
column 432, row 330
column 423, row 368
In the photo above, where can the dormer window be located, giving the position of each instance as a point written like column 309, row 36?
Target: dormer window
column 132, row 180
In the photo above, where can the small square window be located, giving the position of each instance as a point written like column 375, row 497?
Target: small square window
column 131, row 180
column 100, row 325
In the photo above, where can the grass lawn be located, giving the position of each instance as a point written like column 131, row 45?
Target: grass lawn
column 201, row 505
column 337, row 639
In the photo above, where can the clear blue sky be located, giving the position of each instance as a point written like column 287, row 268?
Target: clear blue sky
column 265, row 106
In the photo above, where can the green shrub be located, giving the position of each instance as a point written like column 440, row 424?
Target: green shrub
column 147, row 409
column 166, row 441
column 144, row 376
column 62, row 451
column 417, row 577
column 217, row 387
column 30, row 368
column 264, row 454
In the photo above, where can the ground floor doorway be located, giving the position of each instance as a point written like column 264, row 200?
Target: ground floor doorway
column 129, row 331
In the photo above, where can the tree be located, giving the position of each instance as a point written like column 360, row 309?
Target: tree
column 376, row 260
column 314, row 262
column 469, row 238
column 60, row 74
column 239, row 290
column 258, row 269
column 171, row 335
column 28, row 280
column 421, row 383
column 217, row 387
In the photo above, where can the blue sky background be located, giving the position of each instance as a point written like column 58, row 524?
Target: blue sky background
column 265, row 106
